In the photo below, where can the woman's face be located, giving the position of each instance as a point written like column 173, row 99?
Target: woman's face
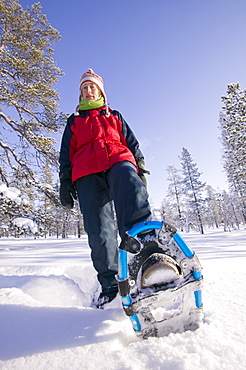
column 90, row 91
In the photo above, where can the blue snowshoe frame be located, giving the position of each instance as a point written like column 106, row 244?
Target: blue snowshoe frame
column 140, row 243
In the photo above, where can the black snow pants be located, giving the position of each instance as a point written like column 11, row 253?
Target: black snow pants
column 123, row 186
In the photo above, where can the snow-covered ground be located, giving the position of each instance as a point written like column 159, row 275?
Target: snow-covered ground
column 46, row 322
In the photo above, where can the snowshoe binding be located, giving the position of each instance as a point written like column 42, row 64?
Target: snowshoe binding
column 160, row 280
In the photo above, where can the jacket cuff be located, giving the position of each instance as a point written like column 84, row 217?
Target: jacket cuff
column 65, row 174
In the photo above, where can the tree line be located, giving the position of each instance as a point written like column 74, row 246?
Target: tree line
column 30, row 120
column 192, row 204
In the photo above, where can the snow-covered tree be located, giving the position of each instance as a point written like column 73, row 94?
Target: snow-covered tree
column 175, row 191
column 28, row 100
column 12, row 205
column 229, row 214
column 212, row 207
column 168, row 213
column 193, row 188
column 45, row 212
column 233, row 137
column 23, row 226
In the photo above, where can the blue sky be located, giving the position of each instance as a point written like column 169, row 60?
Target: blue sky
column 165, row 64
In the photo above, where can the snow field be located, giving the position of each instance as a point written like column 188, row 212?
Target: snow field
column 46, row 287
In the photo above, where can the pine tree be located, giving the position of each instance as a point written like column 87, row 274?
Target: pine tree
column 12, row 204
column 193, row 187
column 45, row 205
column 78, row 220
column 233, row 134
column 175, row 191
column 28, row 101
column 228, row 214
column 212, row 208
column 167, row 212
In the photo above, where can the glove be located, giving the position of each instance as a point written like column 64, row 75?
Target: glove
column 67, row 190
column 142, row 170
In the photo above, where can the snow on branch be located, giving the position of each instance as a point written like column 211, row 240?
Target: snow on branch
column 11, row 193
column 25, row 224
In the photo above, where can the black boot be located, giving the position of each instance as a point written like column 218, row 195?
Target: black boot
column 107, row 296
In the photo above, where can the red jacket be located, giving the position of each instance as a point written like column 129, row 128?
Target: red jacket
column 93, row 143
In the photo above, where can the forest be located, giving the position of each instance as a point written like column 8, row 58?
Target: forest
column 30, row 122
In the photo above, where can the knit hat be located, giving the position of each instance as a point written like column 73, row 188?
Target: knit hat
column 92, row 77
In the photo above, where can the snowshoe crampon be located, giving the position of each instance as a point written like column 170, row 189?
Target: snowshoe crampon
column 160, row 280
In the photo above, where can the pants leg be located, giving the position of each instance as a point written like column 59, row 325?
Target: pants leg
column 97, row 209
column 129, row 194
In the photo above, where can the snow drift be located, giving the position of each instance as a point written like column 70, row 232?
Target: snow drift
column 46, row 288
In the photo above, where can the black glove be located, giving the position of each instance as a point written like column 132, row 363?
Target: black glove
column 142, row 170
column 67, row 190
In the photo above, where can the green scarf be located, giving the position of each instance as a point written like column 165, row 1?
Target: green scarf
column 91, row 104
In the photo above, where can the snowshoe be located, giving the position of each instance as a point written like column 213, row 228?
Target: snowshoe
column 160, row 280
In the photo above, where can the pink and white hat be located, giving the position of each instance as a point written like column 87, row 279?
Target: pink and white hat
column 92, row 77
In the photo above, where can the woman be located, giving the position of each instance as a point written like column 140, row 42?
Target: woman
column 101, row 159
